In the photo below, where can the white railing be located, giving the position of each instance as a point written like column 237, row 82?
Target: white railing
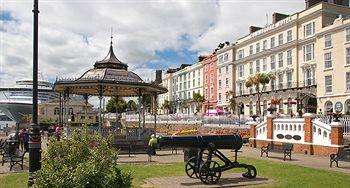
column 345, row 120
column 261, row 130
column 321, row 132
column 288, row 130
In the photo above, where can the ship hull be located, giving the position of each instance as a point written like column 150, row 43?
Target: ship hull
column 16, row 111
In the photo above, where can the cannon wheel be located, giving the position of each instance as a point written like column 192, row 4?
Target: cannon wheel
column 210, row 172
column 191, row 169
column 251, row 172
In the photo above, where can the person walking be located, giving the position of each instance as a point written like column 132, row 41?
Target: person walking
column 21, row 139
column 58, row 132
column 26, row 140
column 152, row 145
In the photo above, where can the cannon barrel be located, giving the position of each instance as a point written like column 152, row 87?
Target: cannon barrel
column 202, row 141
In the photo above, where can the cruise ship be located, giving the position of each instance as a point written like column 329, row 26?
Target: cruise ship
column 16, row 101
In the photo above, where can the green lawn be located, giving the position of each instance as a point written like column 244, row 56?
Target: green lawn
column 286, row 175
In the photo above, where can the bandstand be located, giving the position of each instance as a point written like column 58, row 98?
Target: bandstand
column 109, row 77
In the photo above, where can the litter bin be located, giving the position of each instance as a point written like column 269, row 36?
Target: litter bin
column 190, row 152
column 13, row 145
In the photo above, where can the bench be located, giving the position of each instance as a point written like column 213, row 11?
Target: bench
column 285, row 148
column 2, row 146
column 14, row 159
column 342, row 155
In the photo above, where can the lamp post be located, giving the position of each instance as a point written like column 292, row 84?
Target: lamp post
column 34, row 135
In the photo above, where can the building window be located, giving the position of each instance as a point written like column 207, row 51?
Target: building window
column 347, row 34
column 226, row 69
column 308, row 77
column 309, row 29
column 280, row 59
column 212, row 92
column 226, row 82
column 251, row 68
column 206, row 79
column 272, row 42
column 226, row 57
column 257, row 47
column 56, row 111
column 280, row 109
column 328, row 84
column 219, row 97
column 264, row 44
column 211, row 78
column 328, row 60
column 240, row 70
column 289, row 79
column 289, row 57
column 220, row 59
column 347, row 82
column 280, row 81
column 264, row 64
column 219, row 71
column 308, row 52
column 265, row 107
column 328, row 40
column 273, row 85
column 280, row 39
column 199, row 82
column 347, row 54
column 329, row 106
column 211, row 66
column 70, row 111
column 240, row 88
column 219, row 84
column 289, row 35
column 251, row 108
column 193, row 83
column 206, row 93
column 240, row 54
column 289, row 109
column 273, row 64
column 257, row 65
column 251, row 50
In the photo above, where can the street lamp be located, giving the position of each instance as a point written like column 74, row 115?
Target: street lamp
column 35, row 137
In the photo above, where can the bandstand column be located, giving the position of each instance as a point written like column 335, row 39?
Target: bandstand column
column 139, row 107
column 67, row 112
column 60, row 110
column 155, row 113
column 99, row 109
column 86, row 104
column 143, row 111
column 116, row 112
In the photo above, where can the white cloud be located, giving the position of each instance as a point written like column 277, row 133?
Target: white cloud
column 74, row 34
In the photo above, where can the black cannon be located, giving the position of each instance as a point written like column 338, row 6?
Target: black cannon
column 202, row 166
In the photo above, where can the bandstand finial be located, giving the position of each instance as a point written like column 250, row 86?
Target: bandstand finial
column 111, row 36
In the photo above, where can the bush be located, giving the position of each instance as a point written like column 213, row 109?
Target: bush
column 84, row 160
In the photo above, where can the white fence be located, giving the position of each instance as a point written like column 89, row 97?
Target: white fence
column 345, row 120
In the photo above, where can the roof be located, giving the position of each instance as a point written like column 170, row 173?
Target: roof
column 109, row 77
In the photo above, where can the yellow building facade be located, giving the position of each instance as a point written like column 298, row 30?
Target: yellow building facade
column 289, row 49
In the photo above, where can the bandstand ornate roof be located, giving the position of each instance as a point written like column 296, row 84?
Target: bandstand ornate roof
column 109, row 77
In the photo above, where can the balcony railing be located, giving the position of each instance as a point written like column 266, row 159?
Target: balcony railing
column 280, row 86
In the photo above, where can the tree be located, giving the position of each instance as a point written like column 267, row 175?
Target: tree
column 122, row 105
column 131, row 105
column 232, row 101
column 166, row 106
column 258, row 81
column 83, row 160
column 198, row 99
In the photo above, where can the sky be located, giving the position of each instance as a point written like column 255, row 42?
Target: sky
column 147, row 35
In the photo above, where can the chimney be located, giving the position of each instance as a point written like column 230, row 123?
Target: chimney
column 278, row 16
column 310, row 3
column 158, row 76
column 252, row 29
column 201, row 58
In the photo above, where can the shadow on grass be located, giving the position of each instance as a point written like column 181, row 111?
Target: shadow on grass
column 233, row 182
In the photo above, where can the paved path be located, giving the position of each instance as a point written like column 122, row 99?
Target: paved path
column 226, row 180
column 311, row 161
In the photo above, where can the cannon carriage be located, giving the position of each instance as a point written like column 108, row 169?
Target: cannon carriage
column 203, row 166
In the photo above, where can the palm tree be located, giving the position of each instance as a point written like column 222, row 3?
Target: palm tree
column 232, row 101
column 258, row 81
column 198, row 99
column 166, row 106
